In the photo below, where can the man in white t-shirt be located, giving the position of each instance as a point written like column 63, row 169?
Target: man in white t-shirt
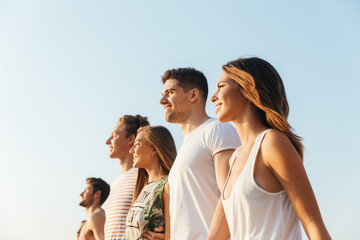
column 202, row 163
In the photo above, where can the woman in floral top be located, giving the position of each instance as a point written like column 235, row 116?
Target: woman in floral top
column 154, row 152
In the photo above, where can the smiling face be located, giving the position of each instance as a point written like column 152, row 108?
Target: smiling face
column 229, row 101
column 87, row 197
column 143, row 153
column 175, row 102
column 119, row 144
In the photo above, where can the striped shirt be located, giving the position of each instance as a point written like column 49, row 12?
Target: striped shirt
column 118, row 205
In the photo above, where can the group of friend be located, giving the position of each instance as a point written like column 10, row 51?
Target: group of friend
column 214, row 187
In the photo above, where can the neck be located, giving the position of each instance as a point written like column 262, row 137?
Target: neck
column 155, row 172
column 95, row 207
column 126, row 163
column 194, row 120
column 248, row 129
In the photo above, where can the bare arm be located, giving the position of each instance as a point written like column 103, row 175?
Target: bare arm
column 281, row 157
column 221, row 163
column 96, row 225
column 219, row 229
column 166, row 209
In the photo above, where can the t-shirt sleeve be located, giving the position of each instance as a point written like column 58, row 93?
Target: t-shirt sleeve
column 223, row 136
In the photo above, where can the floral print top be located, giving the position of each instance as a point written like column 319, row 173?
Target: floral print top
column 146, row 212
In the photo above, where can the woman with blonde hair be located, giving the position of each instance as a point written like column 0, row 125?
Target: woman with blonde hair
column 267, row 190
column 153, row 152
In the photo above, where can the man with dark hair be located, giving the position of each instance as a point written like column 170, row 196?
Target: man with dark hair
column 94, row 195
column 121, row 140
column 201, row 166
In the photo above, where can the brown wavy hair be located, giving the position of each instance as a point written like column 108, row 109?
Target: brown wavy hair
column 163, row 143
column 261, row 84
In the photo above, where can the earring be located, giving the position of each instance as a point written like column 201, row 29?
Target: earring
column 152, row 154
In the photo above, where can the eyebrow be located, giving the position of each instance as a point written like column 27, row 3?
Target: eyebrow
column 167, row 90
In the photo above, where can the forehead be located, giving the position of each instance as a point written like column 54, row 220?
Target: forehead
column 141, row 136
column 171, row 84
column 119, row 128
column 224, row 77
column 89, row 187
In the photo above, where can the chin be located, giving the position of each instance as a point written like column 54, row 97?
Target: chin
column 170, row 119
column 175, row 117
column 135, row 165
column 223, row 119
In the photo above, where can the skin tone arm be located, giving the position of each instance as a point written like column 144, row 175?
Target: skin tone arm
column 221, row 163
column 279, row 154
column 96, row 225
column 160, row 234
column 219, row 228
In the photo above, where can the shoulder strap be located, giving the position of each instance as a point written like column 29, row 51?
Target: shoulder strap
column 256, row 147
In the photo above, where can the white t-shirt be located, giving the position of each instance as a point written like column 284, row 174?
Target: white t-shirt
column 193, row 188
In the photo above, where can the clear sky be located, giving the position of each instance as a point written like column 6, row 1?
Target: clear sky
column 69, row 69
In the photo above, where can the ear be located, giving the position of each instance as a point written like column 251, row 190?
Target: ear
column 154, row 153
column 131, row 139
column 195, row 95
column 97, row 194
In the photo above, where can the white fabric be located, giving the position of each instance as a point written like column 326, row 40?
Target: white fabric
column 253, row 213
column 193, row 189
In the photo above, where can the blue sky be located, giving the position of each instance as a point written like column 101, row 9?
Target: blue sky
column 70, row 69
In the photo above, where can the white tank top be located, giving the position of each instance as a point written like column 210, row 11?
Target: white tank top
column 256, row 214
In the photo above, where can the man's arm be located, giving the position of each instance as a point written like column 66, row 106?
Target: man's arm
column 219, row 228
column 96, row 225
column 221, row 163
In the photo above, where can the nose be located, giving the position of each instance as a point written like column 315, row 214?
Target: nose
column 81, row 194
column 214, row 98
column 163, row 100
column 131, row 151
column 108, row 141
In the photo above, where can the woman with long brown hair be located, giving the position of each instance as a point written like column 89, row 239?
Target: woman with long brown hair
column 267, row 190
column 153, row 152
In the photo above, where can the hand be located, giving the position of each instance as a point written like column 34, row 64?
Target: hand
column 157, row 235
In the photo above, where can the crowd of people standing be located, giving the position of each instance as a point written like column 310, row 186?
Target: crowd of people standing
column 225, row 182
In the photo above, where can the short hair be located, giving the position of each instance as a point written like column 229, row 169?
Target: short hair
column 188, row 78
column 133, row 123
column 99, row 185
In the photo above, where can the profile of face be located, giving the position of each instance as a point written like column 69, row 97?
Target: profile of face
column 118, row 143
column 87, row 196
column 229, row 101
column 175, row 101
column 144, row 155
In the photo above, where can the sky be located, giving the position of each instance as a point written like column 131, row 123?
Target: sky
column 70, row 69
